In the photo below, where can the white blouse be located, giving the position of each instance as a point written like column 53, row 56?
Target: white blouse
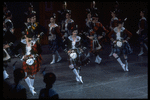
column 28, row 50
column 78, row 38
column 53, row 36
column 66, row 24
column 73, row 44
column 118, row 36
column 50, row 27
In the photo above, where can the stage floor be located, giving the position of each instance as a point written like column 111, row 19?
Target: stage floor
column 107, row 80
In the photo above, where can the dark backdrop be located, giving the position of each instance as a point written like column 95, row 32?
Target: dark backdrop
column 17, row 9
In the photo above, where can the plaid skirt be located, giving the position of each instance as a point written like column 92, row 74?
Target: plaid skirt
column 143, row 36
column 94, row 45
column 125, row 49
column 32, row 69
column 81, row 60
column 54, row 45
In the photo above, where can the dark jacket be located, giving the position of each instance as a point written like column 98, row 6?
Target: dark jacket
column 125, row 34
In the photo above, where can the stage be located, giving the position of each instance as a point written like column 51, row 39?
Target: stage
column 107, row 80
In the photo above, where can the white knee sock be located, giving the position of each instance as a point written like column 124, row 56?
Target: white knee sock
column 32, row 80
column 57, row 54
column 53, row 61
column 145, row 46
column 141, row 52
column 28, row 81
column 75, row 72
column 5, row 75
column 119, row 60
column 77, row 75
column 126, row 62
column 59, row 58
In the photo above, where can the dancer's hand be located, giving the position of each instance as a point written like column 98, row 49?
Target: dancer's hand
column 25, row 57
column 5, row 46
column 69, row 51
column 124, row 41
column 31, row 56
column 114, row 41
column 100, row 37
column 90, row 37
column 38, row 35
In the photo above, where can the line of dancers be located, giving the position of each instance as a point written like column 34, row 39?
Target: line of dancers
column 78, row 45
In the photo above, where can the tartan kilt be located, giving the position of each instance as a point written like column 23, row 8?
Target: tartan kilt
column 32, row 69
column 95, row 46
column 53, row 46
column 79, row 61
column 124, row 49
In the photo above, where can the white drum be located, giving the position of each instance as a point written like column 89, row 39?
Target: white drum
column 119, row 43
column 30, row 61
column 73, row 55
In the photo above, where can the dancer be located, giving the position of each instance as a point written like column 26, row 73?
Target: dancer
column 87, row 28
column 113, row 24
column 26, row 27
column 93, row 8
column 30, row 9
column 8, row 22
column 37, row 31
column 74, row 52
column 8, row 32
column 5, row 9
column 88, row 21
column 68, row 24
column 142, row 32
column 55, row 38
column 62, row 15
column 119, row 12
column 121, row 36
column 8, row 41
column 31, row 60
column 95, row 37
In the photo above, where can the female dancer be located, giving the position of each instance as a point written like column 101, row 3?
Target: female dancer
column 68, row 23
column 75, row 53
column 88, row 27
column 121, row 36
column 55, row 38
column 31, row 60
column 113, row 24
column 88, row 21
column 142, row 32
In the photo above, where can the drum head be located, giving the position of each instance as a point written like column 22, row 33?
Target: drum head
column 30, row 61
column 73, row 55
column 119, row 44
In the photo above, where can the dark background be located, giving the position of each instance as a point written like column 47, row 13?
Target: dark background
column 44, row 10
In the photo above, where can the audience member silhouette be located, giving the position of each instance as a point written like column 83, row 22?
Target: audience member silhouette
column 48, row 92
